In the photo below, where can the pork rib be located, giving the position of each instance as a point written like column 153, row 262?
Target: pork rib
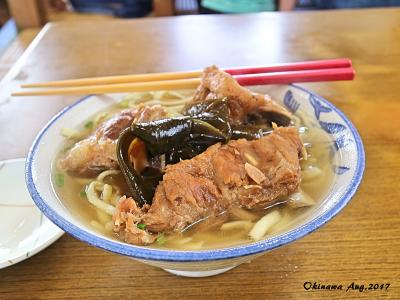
column 98, row 151
column 217, row 84
column 252, row 174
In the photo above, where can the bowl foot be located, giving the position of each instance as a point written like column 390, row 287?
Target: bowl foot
column 199, row 273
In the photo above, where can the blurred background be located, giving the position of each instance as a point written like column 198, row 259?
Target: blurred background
column 31, row 13
column 21, row 20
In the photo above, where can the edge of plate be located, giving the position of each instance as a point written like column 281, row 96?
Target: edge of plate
column 37, row 247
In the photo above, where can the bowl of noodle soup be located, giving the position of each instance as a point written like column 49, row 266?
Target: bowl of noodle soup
column 330, row 177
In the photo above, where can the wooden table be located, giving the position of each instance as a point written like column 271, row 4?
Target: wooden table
column 360, row 245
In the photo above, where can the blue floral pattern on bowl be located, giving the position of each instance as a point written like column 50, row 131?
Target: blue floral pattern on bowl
column 337, row 130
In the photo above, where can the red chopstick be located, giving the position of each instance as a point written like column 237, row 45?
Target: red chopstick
column 296, row 76
column 297, row 66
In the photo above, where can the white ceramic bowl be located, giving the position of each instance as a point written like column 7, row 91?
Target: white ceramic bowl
column 347, row 154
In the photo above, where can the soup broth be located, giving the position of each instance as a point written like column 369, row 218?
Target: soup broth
column 229, row 228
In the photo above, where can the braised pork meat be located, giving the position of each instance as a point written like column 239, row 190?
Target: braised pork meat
column 244, row 104
column 251, row 174
column 97, row 152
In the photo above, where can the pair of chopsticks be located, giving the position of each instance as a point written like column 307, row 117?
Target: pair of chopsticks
column 309, row 71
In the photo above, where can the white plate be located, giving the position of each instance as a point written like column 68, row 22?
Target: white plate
column 25, row 231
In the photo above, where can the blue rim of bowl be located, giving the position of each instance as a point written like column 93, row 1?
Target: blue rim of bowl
column 203, row 255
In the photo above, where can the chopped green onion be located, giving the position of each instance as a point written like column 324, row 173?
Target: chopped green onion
column 141, row 226
column 161, row 239
column 59, row 179
column 124, row 103
column 66, row 149
column 101, row 117
column 83, row 194
column 89, row 125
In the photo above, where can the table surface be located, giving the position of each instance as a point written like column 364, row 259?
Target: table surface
column 361, row 244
